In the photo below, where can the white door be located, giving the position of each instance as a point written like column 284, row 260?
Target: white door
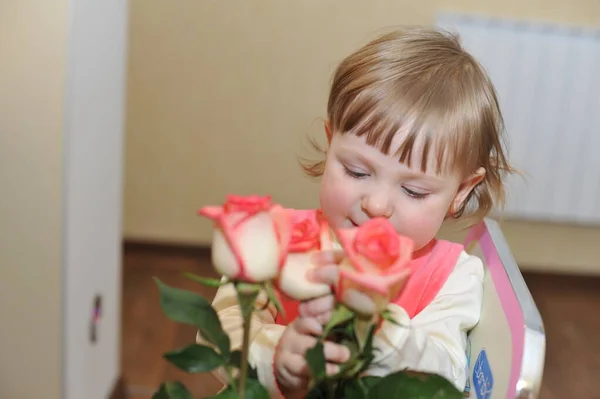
column 95, row 72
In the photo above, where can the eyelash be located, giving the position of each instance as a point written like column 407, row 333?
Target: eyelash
column 415, row 195
column 409, row 192
column 355, row 175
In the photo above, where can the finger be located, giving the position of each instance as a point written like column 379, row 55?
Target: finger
column 317, row 306
column 297, row 367
column 308, row 326
column 327, row 257
column 336, row 353
column 324, row 318
column 297, row 371
column 325, row 274
column 332, row 369
column 289, row 379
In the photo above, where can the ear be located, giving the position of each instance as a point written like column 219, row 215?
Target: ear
column 465, row 188
column 328, row 131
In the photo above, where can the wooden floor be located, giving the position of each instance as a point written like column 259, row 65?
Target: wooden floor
column 569, row 307
column 147, row 333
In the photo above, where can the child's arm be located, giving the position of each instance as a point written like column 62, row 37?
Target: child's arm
column 287, row 371
column 435, row 340
column 265, row 333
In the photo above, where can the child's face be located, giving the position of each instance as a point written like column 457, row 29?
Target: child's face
column 360, row 182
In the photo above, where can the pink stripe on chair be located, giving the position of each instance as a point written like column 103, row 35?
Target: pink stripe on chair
column 508, row 299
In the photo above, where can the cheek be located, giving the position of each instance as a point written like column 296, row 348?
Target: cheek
column 336, row 198
column 422, row 223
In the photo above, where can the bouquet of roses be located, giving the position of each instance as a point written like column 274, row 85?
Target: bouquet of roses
column 261, row 247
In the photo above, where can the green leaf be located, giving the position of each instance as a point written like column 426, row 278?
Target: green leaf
column 316, row 360
column 190, row 308
column 340, row 315
column 227, row 393
column 367, row 352
column 370, row 381
column 172, row 390
column 355, row 389
column 425, row 386
column 363, row 330
column 352, row 368
column 254, row 390
column 235, row 360
column 387, row 315
column 273, row 297
column 318, row 391
column 161, row 393
column 209, row 282
column 195, row 358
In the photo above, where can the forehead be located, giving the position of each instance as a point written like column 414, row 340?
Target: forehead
column 419, row 156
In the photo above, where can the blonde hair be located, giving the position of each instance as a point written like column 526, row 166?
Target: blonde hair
column 422, row 80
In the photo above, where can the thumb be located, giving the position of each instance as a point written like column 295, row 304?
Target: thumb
column 323, row 258
column 327, row 274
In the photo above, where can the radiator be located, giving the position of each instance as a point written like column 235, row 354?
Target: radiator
column 548, row 82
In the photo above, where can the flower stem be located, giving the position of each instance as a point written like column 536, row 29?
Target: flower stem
column 245, row 349
column 230, row 378
column 247, row 294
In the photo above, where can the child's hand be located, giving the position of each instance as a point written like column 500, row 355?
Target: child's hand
column 291, row 369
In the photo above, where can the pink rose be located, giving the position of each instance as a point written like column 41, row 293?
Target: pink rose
column 374, row 270
column 250, row 238
column 310, row 233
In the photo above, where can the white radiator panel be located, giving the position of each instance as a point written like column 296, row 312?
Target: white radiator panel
column 548, row 82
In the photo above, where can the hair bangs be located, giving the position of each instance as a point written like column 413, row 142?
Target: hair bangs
column 439, row 140
column 433, row 129
column 368, row 115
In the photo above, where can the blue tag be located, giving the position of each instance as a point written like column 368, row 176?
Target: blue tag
column 468, row 353
column 483, row 381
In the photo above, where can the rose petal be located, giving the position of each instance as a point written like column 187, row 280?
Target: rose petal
column 259, row 246
column 249, row 251
column 380, row 289
column 375, row 283
column 377, row 240
column 211, row 212
column 346, row 239
column 358, row 301
column 282, row 220
column 293, row 280
column 407, row 247
column 223, row 258
column 305, row 231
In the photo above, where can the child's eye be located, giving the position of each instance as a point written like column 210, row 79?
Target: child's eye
column 355, row 175
column 414, row 194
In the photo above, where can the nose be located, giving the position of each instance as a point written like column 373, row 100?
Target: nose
column 377, row 204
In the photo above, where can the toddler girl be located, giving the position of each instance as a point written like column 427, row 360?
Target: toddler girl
column 414, row 135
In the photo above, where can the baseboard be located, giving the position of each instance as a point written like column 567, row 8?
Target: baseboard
column 119, row 390
column 130, row 245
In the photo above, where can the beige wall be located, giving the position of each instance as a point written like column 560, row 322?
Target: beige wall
column 222, row 96
column 32, row 55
